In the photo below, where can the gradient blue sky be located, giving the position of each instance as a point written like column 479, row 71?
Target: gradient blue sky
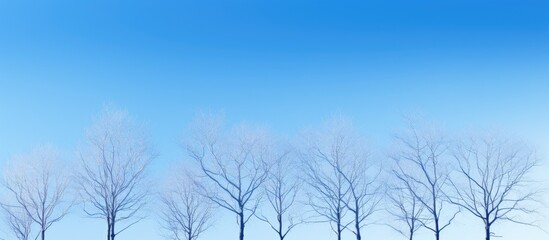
column 287, row 64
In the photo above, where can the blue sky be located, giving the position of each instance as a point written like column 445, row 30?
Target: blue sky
column 287, row 64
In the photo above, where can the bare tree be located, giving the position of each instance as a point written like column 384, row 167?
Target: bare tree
column 114, row 163
column 422, row 169
column 37, row 186
column 281, row 191
column 186, row 213
column 235, row 165
column 406, row 210
column 364, row 190
column 339, row 172
column 19, row 222
column 492, row 181
column 328, row 193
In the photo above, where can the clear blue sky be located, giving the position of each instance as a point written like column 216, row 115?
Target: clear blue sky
column 288, row 64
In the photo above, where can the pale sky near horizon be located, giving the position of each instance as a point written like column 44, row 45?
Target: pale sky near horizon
column 465, row 65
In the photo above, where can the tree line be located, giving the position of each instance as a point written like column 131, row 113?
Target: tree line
column 326, row 174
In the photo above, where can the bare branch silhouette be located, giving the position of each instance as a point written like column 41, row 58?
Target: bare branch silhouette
column 339, row 175
column 113, row 173
column 234, row 165
column 281, row 190
column 38, row 186
column 19, row 222
column 405, row 209
column 186, row 214
column 422, row 169
column 492, row 180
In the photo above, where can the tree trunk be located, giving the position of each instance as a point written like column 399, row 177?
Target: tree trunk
column 280, row 230
column 437, row 231
column 487, row 227
column 339, row 220
column 411, row 234
column 112, row 230
column 357, row 223
column 358, row 236
column 241, row 215
column 108, row 229
column 338, row 230
column 43, row 233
